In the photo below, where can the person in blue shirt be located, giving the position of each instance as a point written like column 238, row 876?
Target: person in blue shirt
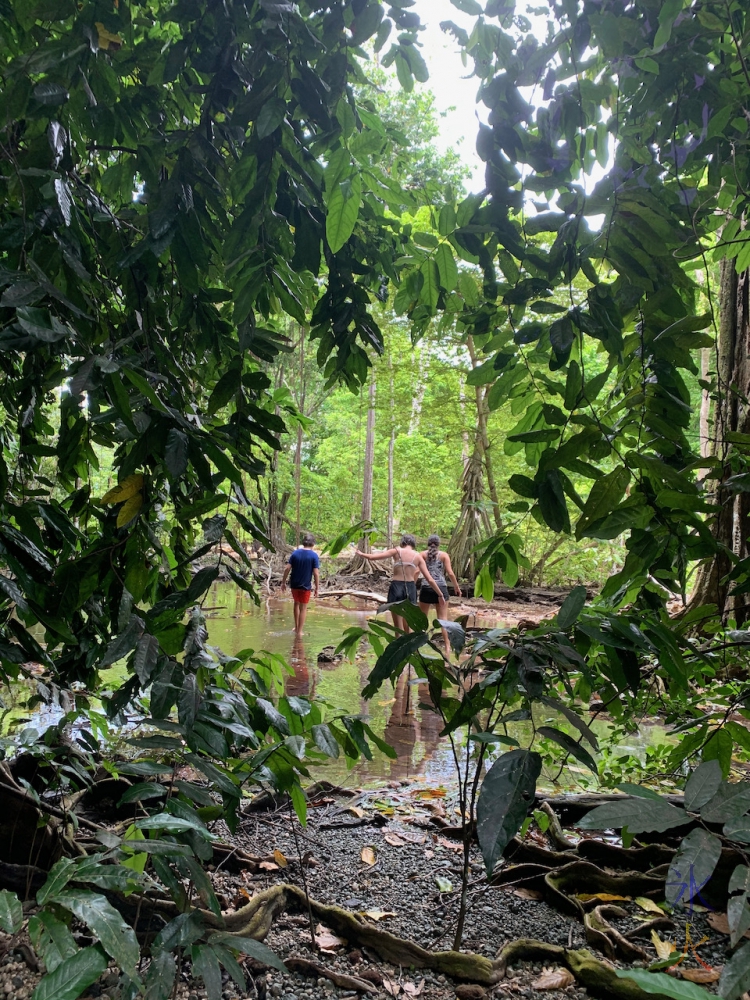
column 304, row 567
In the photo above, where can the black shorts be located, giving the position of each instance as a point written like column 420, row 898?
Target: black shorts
column 428, row 596
column 400, row 590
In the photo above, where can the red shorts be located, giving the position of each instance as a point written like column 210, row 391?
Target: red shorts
column 301, row 596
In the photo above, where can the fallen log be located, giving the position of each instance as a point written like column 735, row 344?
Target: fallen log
column 362, row 595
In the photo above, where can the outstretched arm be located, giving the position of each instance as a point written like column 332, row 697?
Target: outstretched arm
column 451, row 574
column 375, row 556
column 422, row 567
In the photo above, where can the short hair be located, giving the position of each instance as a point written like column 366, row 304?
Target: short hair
column 408, row 541
column 308, row 540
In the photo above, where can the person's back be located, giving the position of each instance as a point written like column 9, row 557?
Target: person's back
column 303, row 562
column 302, row 568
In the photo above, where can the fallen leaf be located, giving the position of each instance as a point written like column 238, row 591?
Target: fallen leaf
column 326, row 940
column 557, row 980
column 280, row 860
column 523, row 893
column 431, row 793
column 412, row 838
column 663, row 948
column 394, row 840
column 368, row 855
column 268, row 866
column 701, row 975
column 412, row 990
column 444, row 884
column 391, row 987
column 450, row 844
column 429, row 854
column 719, row 922
column 604, row 897
column 356, row 811
column 378, row 914
column 648, row 905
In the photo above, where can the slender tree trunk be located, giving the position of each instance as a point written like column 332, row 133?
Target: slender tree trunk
column 369, row 462
column 391, row 447
column 731, row 414
column 482, row 411
column 707, row 439
column 465, row 431
column 298, row 453
column 419, row 389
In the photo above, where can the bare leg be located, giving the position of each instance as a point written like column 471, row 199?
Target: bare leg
column 442, row 613
column 296, row 616
column 400, row 622
column 302, row 616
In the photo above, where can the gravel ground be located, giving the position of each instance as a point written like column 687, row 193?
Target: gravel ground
column 395, row 866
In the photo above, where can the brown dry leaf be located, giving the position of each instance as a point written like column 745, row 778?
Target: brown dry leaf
column 378, row 914
column 394, row 840
column 280, row 860
column 431, row 793
column 356, row 811
column 392, row 987
column 268, row 866
column 450, row 844
column 648, row 905
column 368, row 855
column 719, row 922
column 701, row 975
column 663, row 948
column 326, row 940
column 527, row 893
column 412, row 990
column 557, row 980
column 605, row 897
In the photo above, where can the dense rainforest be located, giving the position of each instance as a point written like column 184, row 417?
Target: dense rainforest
column 246, row 293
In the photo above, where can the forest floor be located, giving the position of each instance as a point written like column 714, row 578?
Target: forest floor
column 387, row 856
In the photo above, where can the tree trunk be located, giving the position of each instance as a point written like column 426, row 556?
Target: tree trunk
column 731, row 414
column 391, row 447
column 369, row 462
column 465, row 432
column 419, row 389
column 482, row 411
column 298, row 453
column 473, row 523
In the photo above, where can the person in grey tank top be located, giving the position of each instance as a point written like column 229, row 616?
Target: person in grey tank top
column 439, row 564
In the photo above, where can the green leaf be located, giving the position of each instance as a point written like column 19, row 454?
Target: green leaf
column 719, row 747
column 468, row 7
column 325, row 741
column 174, row 824
column 60, row 874
column 571, row 608
column 51, row 939
column 11, row 912
column 115, row 936
column 416, row 619
column 570, row 746
column 604, row 496
column 664, row 985
column 343, row 210
column 702, row 785
column 730, row 802
column 735, row 977
column 692, row 867
column 394, row 657
column 638, row 815
column 738, row 907
column 573, row 719
column 552, row 503
column 249, row 946
column 206, row 966
column 447, row 268
column 271, row 116
column 72, row 976
column 506, row 796
column 176, row 453
column 430, row 292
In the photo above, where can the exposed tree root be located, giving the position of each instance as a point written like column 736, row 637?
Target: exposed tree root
column 308, row 968
column 599, row 978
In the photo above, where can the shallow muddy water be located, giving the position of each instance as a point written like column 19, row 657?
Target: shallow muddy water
column 236, row 623
column 397, row 715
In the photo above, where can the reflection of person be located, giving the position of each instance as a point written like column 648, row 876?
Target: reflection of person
column 408, row 564
column 298, row 684
column 438, row 563
column 304, row 567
